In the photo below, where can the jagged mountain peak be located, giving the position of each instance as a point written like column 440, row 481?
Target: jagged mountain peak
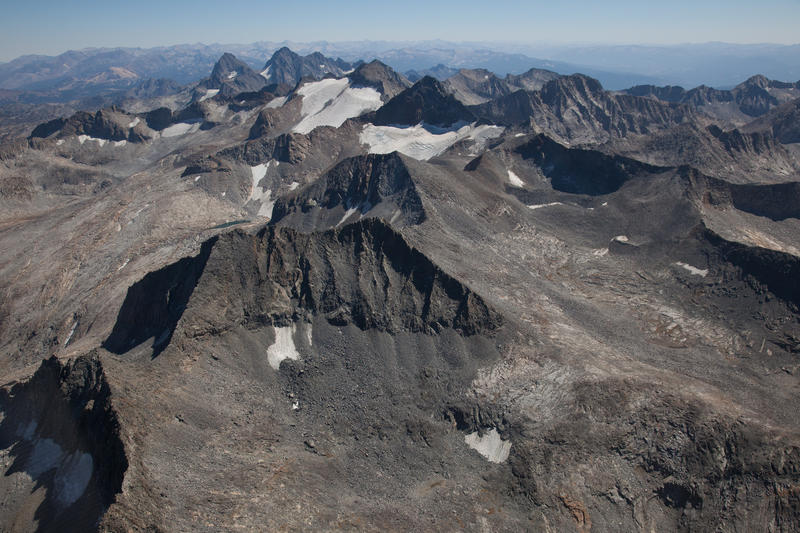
column 286, row 66
column 226, row 65
column 426, row 101
column 380, row 76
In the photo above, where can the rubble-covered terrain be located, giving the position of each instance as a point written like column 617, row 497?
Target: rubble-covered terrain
column 321, row 297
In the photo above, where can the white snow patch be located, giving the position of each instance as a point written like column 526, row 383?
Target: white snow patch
column 600, row 252
column 210, row 93
column 604, row 204
column 232, row 75
column 620, row 238
column 224, row 193
column 514, row 180
column 278, row 101
column 71, row 333
column 295, row 406
column 519, row 135
column 196, row 178
column 120, row 143
column 46, row 455
column 694, row 270
column 422, row 142
column 283, row 347
column 491, row 446
column 133, row 123
column 123, row 265
column 330, row 102
column 257, row 173
column 259, row 195
column 181, row 128
column 539, row 206
column 29, row 431
column 59, row 142
column 266, row 205
column 293, row 185
column 83, row 138
column 347, row 214
column 73, row 471
column 265, row 72
column 309, row 331
column 73, row 477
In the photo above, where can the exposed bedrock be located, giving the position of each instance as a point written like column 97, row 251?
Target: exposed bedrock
column 60, row 437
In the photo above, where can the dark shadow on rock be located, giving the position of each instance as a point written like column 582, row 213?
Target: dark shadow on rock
column 154, row 304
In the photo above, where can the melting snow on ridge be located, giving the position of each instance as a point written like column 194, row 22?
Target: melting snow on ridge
column 283, row 347
column 539, row 206
column 422, row 142
column 181, row 128
column 347, row 214
column 514, row 180
column 211, row 93
column 694, row 270
column 83, row 138
column 330, row 102
column 278, row 101
column 490, row 445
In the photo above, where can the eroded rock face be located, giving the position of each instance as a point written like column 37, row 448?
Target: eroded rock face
column 61, row 438
column 279, row 273
column 576, row 108
column 580, row 171
column 372, row 185
column 426, row 101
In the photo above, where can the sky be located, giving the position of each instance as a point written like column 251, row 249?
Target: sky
column 55, row 26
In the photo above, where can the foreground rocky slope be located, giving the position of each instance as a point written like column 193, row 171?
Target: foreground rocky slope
column 356, row 303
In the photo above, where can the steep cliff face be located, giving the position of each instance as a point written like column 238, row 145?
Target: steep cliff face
column 746, row 155
column 371, row 186
column 580, row 171
column 61, row 436
column 783, row 122
column 364, row 274
column 426, row 101
column 109, row 124
column 752, row 98
column 577, row 109
column 381, row 77
column 154, row 304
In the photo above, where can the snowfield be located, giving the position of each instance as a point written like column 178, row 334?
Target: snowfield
column 211, row 93
column 515, row 180
column 491, row 446
column 181, row 128
column 278, row 101
column 422, row 142
column 283, row 347
column 330, row 102
column 258, row 194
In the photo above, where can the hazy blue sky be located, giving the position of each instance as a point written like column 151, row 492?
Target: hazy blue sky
column 54, row 26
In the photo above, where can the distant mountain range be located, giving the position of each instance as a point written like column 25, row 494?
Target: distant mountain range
column 78, row 74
